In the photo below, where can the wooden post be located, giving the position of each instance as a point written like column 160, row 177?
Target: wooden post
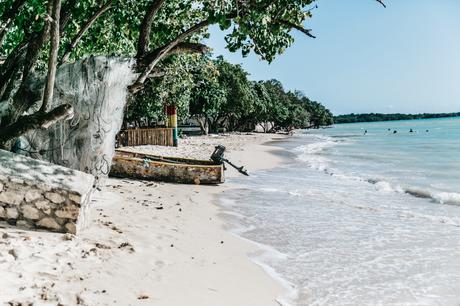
column 172, row 122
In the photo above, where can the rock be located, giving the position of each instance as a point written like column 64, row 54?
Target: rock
column 30, row 212
column 59, row 221
column 68, row 237
column 75, row 198
column 49, row 223
column 38, row 194
column 11, row 197
column 24, row 224
column 43, row 187
column 69, row 212
column 54, row 197
column 13, row 253
column 44, row 206
column 11, row 213
column 16, row 180
column 32, row 195
column 71, row 228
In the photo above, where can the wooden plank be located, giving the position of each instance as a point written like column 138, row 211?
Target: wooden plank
column 157, row 136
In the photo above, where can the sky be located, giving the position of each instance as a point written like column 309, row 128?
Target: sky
column 405, row 58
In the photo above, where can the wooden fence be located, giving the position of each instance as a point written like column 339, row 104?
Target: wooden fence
column 139, row 137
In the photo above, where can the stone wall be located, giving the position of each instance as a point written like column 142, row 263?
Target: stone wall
column 39, row 195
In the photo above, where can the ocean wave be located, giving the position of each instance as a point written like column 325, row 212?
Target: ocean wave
column 441, row 219
column 447, row 197
column 418, row 192
column 312, row 155
column 263, row 254
column 292, row 290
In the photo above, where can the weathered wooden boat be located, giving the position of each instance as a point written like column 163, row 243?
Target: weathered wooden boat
column 126, row 164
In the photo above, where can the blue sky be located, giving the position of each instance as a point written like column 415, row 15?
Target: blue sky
column 405, row 58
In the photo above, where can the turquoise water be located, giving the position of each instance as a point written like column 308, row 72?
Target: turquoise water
column 425, row 162
column 354, row 219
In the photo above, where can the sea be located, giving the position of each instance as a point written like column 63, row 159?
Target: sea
column 358, row 214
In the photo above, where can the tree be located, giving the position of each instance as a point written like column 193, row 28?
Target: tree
column 261, row 114
column 149, row 30
column 37, row 32
column 208, row 95
column 239, row 96
column 278, row 101
column 223, row 98
column 174, row 88
column 320, row 116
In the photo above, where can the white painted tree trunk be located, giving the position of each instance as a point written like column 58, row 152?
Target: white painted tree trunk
column 97, row 89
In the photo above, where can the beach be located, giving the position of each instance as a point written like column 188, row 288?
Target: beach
column 354, row 218
column 147, row 243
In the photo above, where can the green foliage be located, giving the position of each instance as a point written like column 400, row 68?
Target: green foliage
column 255, row 24
column 174, row 88
column 239, row 94
column 220, row 96
column 352, row 118
column 290, row 110
column 231, row 101
column 261, row 30
column 31, row 18
column 213, row 90
column 208, row 96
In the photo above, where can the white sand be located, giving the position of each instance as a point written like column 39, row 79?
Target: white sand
column 134, row 253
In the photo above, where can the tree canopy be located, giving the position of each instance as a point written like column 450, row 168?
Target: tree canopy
column 150, row 31
column 220, row 95
column 38, row 35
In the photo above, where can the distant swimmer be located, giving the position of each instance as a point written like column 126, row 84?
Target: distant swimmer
column 411, row 131
column 427, row 131
column 365, row 132
column 389, row 129
column 394, row 132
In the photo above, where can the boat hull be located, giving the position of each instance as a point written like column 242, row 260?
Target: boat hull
column 141, row 166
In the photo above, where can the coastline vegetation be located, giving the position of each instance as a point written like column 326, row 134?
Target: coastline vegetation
column 220, row 96
column 373, row 117
column 40, row 38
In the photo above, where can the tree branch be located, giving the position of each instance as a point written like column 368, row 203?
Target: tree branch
column 381, row 2
column 157, row 73
column 188, row 47
column 182, row 47
column 295, row 26
column 163, row 51
column 52, row 60
column 83, row 30
column 9, row 67
column 24, row 56
column 38, row 120
column 144, row 35
column 35, row 42
column 8, row 17
column 66, row 14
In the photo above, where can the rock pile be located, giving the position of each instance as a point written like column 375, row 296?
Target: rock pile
column 37, row 194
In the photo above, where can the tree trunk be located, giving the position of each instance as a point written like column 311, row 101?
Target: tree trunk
column 203, row 123
column 96, row 88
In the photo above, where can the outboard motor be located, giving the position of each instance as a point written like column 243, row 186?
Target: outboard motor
column 218, row 157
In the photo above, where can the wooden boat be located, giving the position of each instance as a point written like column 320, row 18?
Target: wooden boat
column 143, row 166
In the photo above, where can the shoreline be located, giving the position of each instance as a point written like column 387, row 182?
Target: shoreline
column 148, row 243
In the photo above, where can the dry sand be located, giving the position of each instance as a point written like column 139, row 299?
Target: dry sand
column 147, row 244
